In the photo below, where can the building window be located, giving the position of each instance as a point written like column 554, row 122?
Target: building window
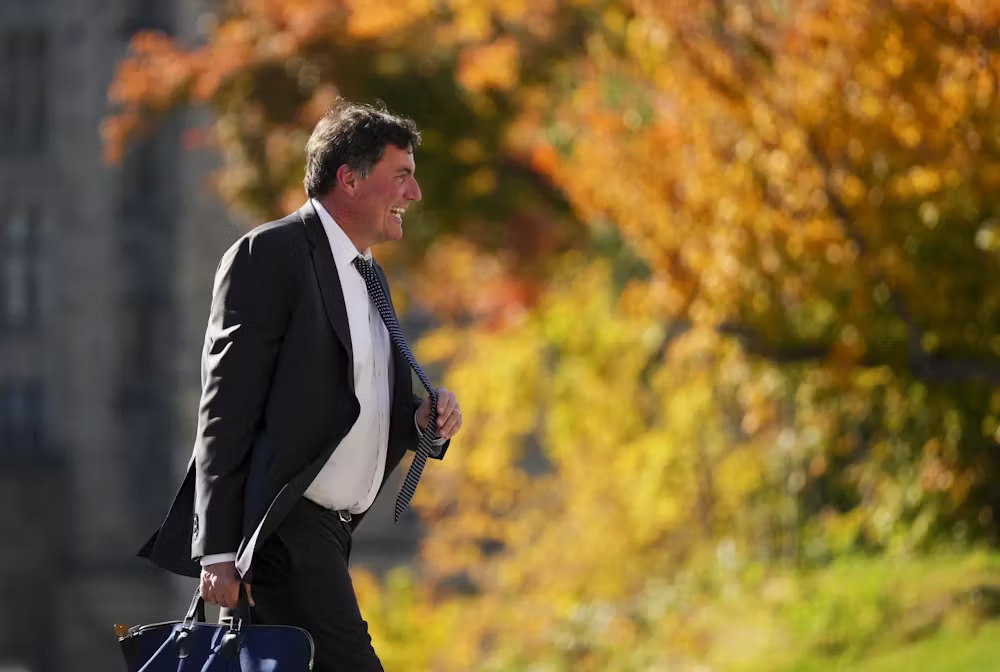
column 147, row 242
column 19, row 268
column 22, row 420
column 23, row 90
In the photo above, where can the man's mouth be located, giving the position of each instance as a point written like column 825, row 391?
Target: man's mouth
column 398, row 212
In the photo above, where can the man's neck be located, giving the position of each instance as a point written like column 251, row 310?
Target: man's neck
column 342, row 216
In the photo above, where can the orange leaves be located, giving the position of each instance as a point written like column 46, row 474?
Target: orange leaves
column 737, row 174
column 159, row 74
column 367, row 20
column 321, row 100
column 295, row 20
column 158, row 68
column 491, row 66
column 482, row 284
column 230, row 53
column 147, row 84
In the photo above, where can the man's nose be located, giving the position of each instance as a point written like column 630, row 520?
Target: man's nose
column 413, row 193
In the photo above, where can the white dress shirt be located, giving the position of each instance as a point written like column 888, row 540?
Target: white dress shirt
column 351, row 477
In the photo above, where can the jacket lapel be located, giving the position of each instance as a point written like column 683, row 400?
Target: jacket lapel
column 329, row 282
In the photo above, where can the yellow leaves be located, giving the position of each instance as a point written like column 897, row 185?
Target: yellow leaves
column 654, row 466
column 988, row 236
column 481, row 181
column 441, row 344
column 472, row 22
column 908, row 134
column 491, row 66
column 620, row 462
column 398, row 609
column 468, row 150
column 917, row 182
column 367, row 20
column 852, row 189
column 742, row 472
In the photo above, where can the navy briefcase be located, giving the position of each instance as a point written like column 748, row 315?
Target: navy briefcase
column 192, row 645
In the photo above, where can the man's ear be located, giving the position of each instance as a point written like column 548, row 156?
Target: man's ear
column 347, row 180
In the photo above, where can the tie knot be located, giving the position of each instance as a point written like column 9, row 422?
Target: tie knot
column 362, row 264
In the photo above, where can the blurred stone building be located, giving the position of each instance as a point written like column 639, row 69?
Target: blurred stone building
column 105, row 276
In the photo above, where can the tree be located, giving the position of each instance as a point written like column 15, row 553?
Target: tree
column 725, row 287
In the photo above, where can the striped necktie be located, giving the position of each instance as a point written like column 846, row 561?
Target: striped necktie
column 378, row 297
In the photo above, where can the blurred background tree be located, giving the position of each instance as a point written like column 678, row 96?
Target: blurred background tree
column 716, row 281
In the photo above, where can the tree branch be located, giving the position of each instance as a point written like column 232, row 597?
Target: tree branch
column 925, row 367
column 914, row 335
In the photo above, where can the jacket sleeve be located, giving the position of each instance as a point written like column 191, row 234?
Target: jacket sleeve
column 246, row 325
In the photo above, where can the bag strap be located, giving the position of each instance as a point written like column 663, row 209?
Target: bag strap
column 241, row 618
column 196, row 612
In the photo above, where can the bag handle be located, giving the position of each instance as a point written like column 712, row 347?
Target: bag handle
column 232, row 641
column 241, row 618
column 196, row 612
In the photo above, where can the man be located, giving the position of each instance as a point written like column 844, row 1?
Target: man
column 307, row 404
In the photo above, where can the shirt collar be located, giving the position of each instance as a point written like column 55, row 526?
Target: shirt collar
column 344, row 252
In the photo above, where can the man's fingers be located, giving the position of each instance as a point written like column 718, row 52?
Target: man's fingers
column 446, row 406
column 452, row 424
column 444, row 399
column 449, row 416
column 219, row 588
column 226, row 596
column 450, row 429
column 250, row 595
column 233, row 595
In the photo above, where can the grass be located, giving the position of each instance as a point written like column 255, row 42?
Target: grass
column 935, row 614
column 947, row 650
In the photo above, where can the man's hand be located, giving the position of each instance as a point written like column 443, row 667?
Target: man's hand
column 220, row 584
column 449, row 418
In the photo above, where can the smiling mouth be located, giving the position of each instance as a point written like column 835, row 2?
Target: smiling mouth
column 398, row 212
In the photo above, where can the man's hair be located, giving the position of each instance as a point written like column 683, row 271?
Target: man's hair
column 354, row 134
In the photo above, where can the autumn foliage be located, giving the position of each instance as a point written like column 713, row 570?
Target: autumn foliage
column 724, row 288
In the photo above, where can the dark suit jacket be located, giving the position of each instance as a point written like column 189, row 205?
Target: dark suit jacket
column 277, row 395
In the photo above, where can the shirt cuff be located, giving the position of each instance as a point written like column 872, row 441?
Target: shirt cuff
column 212, row 559
column 437, row 443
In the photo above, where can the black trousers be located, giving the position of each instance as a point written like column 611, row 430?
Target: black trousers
column 300, row 578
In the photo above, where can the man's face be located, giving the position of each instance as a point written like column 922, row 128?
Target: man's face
column 383, row 197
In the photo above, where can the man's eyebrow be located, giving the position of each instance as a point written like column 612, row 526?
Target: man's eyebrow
column 406, row 170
